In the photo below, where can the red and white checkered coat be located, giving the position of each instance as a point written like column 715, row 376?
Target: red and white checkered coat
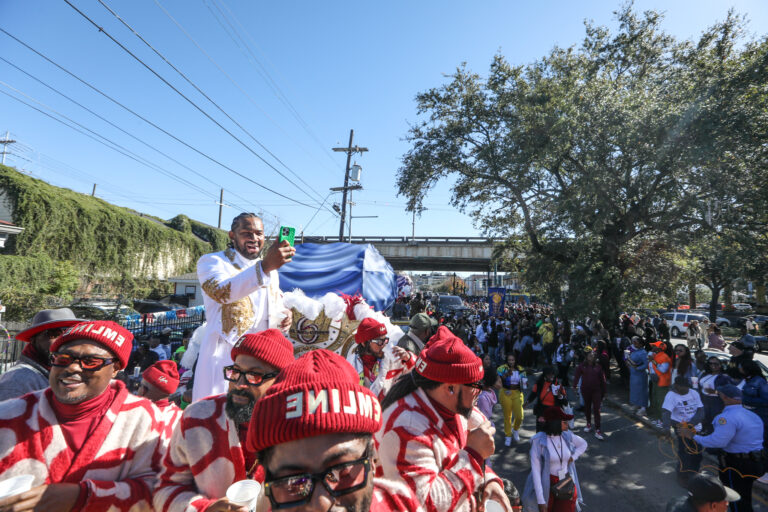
column 418, row 448
column 115, row 461
column 204, row 458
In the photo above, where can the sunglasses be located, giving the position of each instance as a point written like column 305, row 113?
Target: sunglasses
column 292, row 491
column 380, row 341
column 89, row 363
column 233, row 374
column 476, row 385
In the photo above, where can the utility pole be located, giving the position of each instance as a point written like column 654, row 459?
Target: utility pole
column 7, row 141
column 413, row 224
column 93, row 192
column 221, row 205
column 349, row 150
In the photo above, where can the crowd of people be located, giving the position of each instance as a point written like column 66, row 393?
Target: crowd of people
column 101, row 421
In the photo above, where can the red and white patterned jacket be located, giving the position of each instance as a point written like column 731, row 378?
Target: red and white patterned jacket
column 417, row 447
column 168, row 418
column 204, row 458
column 115, row 462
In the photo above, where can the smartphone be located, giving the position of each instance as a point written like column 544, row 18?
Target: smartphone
column 286, row 233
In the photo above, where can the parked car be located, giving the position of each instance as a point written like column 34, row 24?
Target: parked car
column 760, row 320
column 742, row 306
column 678, row 321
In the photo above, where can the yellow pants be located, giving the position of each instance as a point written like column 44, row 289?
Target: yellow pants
column 511, row 404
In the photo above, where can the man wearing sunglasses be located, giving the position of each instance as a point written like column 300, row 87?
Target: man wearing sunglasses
column 87, row 441
column 312, row 431
column 434, row 440
column 30, row 372
column 376, row 362
column 207, row 452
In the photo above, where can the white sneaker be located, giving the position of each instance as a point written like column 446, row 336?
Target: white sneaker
column 507, row 441
column 599, row 435
column 588, row 428
column 516, row 435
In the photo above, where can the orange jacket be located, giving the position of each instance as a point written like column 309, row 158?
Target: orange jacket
column 665, row 378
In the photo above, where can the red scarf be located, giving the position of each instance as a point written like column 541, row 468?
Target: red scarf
column 370, row 366
column 449, row 417
column 32, row 353
column 78, row 421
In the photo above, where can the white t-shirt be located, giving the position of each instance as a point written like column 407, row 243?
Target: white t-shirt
column 682, row 407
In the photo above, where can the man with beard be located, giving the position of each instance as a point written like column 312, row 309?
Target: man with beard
column 87, row 442
column 207, row 452
column 313, row 431
column 433, row 440
column 30, row 372
column 241, row 292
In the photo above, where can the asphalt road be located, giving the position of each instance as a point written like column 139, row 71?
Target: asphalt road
column 628, row 471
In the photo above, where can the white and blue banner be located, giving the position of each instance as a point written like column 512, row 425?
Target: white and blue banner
column 353, row 269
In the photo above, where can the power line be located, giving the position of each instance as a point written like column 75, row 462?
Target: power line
column 190, row 82
column 119, row 128
column 101, row 30
column 97, row 137
column 235, row 83
column 166, row 132
column 279, row 93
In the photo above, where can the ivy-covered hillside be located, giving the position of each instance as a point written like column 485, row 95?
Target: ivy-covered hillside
column 73, row 241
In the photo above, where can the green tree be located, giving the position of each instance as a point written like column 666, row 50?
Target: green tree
column 592, row 149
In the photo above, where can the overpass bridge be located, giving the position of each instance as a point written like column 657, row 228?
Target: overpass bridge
column 453, row 254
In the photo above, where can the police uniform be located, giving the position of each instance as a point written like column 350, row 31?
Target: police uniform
column 739, row 433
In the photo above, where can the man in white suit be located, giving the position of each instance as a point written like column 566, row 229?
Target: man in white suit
column 241, row 293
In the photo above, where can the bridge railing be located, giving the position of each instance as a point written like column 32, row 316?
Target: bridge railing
column 402, row 239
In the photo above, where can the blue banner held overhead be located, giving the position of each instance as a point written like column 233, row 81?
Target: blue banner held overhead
column 496, row 301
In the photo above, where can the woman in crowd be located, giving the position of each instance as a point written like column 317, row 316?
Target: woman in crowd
column 513, row 382
column 593, row 386
column 715, row 339
column 692, row 334
column 603, row 358
column 713, row 404
column 683, row 365
column 755, row 393
column 637, row 362
column 547, row 392
column 487, row 397
column 554, row 451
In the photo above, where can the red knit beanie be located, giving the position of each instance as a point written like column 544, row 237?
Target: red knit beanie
column 319, row 393
column 269, row 346
column 109, row 335
column 370, row 329
column 447, row 359
column 164, row 375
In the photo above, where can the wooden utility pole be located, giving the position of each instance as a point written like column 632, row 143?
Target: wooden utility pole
column 7, row 141
column 349, row 150
column 93, row 192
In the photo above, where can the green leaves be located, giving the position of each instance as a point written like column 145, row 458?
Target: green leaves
column 597, row 151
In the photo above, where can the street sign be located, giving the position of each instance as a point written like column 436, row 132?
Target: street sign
column 2, row 309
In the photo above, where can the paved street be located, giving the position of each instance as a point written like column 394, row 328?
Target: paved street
column 625, row 472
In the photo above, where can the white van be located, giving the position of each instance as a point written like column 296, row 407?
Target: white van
column 678, row 322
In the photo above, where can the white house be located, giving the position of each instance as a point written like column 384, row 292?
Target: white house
column 6, row 229
column 188, row 285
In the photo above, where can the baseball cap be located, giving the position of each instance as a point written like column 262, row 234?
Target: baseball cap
column 729, row 390
column 421, row 321
column 707, row 489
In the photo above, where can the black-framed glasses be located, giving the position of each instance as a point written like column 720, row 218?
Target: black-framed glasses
column 476, row 385
column 233, row 374
column 89, row 363
column 380, row 341
column 292, row 491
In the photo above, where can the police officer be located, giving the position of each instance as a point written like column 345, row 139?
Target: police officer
column 739, row 434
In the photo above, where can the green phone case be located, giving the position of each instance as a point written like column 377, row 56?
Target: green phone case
column 286, row 233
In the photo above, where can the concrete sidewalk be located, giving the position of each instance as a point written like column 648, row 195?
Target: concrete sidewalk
column 617, row 398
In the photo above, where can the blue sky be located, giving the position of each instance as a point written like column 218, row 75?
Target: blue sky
column 310, row 72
